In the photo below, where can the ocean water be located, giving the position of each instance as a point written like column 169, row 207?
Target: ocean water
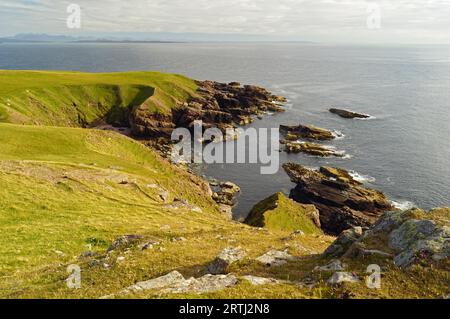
column 403, row 151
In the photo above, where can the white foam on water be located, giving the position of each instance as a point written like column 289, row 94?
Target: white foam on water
column 402, row 204
column 338, row 135
column 361, row 178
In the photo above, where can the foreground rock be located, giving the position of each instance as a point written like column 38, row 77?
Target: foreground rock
column 216, row 104
column 349, row 114
column 340, row 277
column 275, row 258
column 311, row 149
column 306, row 131
column 342, row 204
column 409, row 237
column 281, row 213
column 174, row 283
column 225, row 259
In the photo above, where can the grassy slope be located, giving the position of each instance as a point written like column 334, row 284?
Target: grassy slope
column 62, row 98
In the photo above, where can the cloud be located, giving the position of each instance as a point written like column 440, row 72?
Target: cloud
column 317, row 20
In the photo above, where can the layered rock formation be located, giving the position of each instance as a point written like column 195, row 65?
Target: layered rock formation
column 342, row 202
column 216, row 104
column 349, row 114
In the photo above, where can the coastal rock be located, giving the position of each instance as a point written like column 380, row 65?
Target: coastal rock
column 409, row 237
column 281, row 213
column 217, row 104
column 342, row 205
column 227, row 194
column 296, row 132
column 225, row 259
column 348, row 114
column 311, row 149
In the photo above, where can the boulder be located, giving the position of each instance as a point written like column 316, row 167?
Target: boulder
column 342, row 203
column 258, row 281
column 225, row 259
column 348, row 114
column 281, row 213
column 275, row 258
column 334, row 265
column 343, row 242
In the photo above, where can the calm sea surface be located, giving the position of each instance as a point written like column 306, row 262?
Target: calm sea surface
column 404, row 151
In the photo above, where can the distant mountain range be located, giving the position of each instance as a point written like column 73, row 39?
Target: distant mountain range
column 143, row 37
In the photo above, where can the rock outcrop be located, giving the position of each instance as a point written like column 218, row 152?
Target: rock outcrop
column 275, row 258
column 311, row 149
column 216, row 104
column 225, row 259
column 349, row 114
column 408, row 237
column 342, row 204
column 281, row 213
column 296, row 132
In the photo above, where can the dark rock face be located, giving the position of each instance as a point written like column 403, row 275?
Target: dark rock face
column 217, row 104
column 349, row 114
column 341, row 202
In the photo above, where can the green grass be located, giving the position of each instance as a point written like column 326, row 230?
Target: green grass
column 277, row 212
column 64, row 98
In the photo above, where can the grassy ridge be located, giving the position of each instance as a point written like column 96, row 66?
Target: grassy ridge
column 69, row 98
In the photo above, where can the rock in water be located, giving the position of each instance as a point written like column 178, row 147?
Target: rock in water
column 311, row 149
column 306, row 131
column 281, row 213
column 349, row 114
column 341, row 202
column 225, row 259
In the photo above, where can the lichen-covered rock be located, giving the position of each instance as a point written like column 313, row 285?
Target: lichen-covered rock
column 409, row 237
column 341, row 202
column 333, row 265
column 275, row 258
column 343, row 242
column 281, row 213
column 257, row 281
column 123, row 242
column 225, row 259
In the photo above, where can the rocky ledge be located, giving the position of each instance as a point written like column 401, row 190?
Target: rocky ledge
column 216, row 104
column 342, row 202
column 349, row 114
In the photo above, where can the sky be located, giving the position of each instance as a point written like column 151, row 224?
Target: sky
column 334, row 21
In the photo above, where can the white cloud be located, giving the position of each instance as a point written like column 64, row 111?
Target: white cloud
column 317, row 20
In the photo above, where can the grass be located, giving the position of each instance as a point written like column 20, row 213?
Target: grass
column 64, row 98
column 278, row 212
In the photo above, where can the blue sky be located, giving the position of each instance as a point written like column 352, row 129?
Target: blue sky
column 400, row 21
